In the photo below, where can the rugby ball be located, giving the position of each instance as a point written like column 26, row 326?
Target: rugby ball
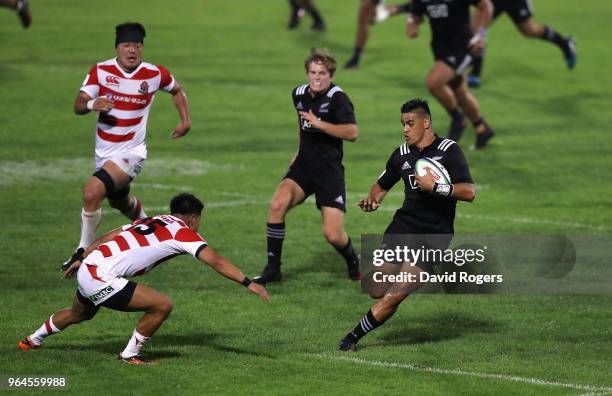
column 438, row 171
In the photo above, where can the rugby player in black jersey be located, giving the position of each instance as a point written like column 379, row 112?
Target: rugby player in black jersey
column 426, row 217
column 325, row 119
column 453, row 47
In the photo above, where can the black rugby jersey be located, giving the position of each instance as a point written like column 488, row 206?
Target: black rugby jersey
column 426, row 213
column 317, row 148
column 449, row 20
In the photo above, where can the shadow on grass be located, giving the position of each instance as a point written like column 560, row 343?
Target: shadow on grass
column 115, row 344
column 437, row 328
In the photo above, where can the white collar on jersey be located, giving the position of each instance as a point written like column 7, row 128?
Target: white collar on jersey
column 126, row 74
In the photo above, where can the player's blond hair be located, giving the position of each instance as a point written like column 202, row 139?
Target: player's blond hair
column 321, row 55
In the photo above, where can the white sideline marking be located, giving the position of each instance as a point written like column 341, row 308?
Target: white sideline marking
column 503, row 377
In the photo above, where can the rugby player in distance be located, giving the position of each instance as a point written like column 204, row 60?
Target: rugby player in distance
column 428, row 209
column 22, row 7
column 325, row 119
column 521, row 14
column 121, row 91
column 453, row 47
column 133, row 250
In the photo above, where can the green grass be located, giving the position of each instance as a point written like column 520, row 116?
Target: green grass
column 238, row 65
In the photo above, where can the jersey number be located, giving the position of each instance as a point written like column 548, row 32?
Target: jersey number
column 149, row 226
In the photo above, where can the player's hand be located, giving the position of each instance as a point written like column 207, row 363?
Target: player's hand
column 425, row 182
column 478, row 42
column 69, row 273
column 311, row 118
column 180, row 130
column 103, row 104
column 368, row 204
column 260, row 291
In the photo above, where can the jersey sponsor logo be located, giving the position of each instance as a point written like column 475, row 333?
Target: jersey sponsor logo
column 437, row 11
column 406, row 165
column 144, row 88
column 125, row 99
column 299, row 105
column 339, row 199
column 112, row 80
column 102, row 293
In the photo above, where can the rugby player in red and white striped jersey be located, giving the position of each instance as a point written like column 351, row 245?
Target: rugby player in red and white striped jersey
column 121, row 91
column 133, row 250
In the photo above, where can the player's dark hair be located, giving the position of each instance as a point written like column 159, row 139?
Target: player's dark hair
column 321, row 55
column 416, row 105
column 129, row 32
column 186, row 204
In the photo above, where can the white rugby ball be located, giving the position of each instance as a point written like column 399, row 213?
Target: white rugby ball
column 438, row 171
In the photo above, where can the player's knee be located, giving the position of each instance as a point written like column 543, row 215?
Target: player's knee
column 278, row 206
column 432, row 83
column 92, row 194
column 333, row 235
column 165, row 307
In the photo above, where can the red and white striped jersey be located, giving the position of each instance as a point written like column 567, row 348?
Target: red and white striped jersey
column 124, row 127
column 143, row 245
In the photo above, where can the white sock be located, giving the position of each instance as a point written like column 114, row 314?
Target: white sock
column 136, row 212
column 47, row 329
column 133, row 347
column 89, row 225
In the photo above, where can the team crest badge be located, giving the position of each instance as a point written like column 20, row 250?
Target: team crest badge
column 144, row 88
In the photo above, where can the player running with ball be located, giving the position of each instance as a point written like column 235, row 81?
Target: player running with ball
column 429, row 208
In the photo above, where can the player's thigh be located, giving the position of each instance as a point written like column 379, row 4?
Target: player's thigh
column 530, row 28
column 146, row 299
column 83, row 310
column 376, row 282
column 409, row 283
column 440, row 74
column 119, row 176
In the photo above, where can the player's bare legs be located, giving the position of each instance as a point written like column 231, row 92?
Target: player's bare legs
column 157, row 308
column 532, row 29
column 288, row 194
column 437, row 82
column 61, row 319
column 383, row 309
column 367, row 9
column 471, row 108
column 333, row 229
column 94, row 193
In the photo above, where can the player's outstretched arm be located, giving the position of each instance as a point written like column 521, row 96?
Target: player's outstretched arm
column 179, row 97
column 103, row 239
column 225, row 267
column 482, row 19
column 84, row 103
column 373, row 200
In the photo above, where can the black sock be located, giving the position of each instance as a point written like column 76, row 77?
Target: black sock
column 357, row 53
column 314, row 13
column 554, row 37
column 348, row 252
column 477, row 64
column 455, row 114
column 275, row 233
column 294, row 6
column 365, row 325
column 478, row 122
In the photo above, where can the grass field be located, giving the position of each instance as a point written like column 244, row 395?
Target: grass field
column 547, row 171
